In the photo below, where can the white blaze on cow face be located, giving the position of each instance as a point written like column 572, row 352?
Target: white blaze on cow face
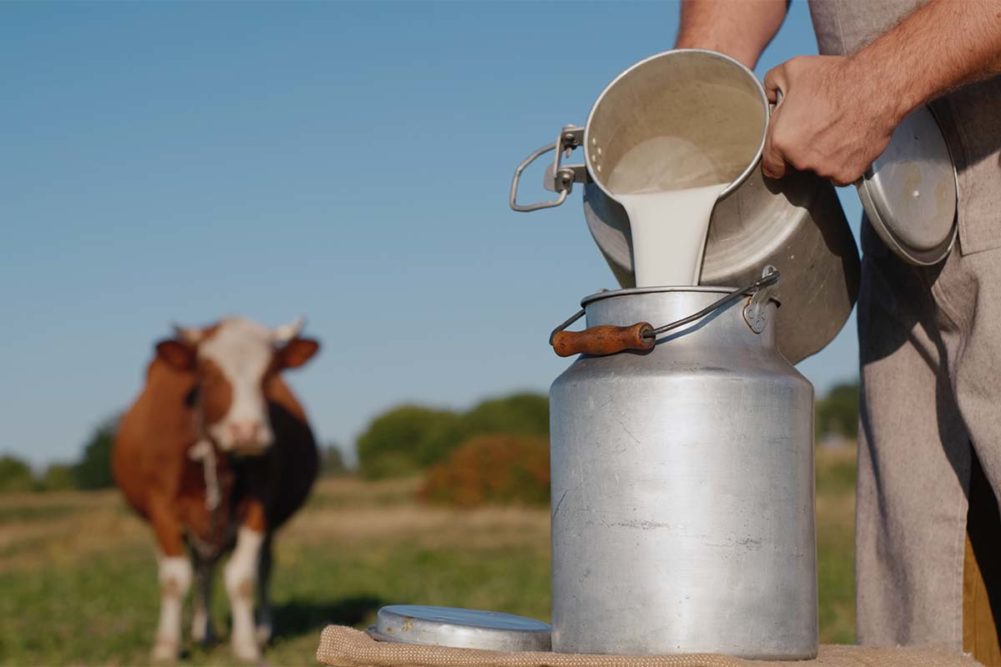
column 241, row 354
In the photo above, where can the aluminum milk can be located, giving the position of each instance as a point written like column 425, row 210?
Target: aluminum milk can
column 682, row 479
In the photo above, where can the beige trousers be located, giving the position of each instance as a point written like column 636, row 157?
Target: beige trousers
column 930, row 353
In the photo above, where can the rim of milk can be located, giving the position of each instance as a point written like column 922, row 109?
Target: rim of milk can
column 596, row 177
column 708, row 289
column 604, row 340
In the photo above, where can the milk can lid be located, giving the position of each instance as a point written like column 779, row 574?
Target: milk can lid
column 909, row 193
column 460, row 628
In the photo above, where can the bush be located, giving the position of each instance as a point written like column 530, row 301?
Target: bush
column 15, row 475
column 837, row 413
column 332, row 461
column 518, row 414
column 492, row 469
column 411, row 438
column 58, row 477
column 396, row 442
column 94, row 469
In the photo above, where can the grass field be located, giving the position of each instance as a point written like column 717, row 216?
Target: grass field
column 77, row 574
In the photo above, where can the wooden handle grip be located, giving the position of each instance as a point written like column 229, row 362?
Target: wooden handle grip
column 603, row 340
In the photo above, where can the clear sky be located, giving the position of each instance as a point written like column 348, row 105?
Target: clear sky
column 347, row 162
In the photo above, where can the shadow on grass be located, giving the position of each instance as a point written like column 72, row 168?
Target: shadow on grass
column 299, row 617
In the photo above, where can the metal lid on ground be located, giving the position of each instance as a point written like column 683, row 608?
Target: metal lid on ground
column 909, row 193
column 460, row 628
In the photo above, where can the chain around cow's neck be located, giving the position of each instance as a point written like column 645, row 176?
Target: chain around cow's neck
column 203, row 450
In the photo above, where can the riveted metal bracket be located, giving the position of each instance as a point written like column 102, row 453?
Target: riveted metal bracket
column 559, row 177
column 755, row 311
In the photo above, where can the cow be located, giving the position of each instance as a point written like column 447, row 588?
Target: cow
column 216, row 453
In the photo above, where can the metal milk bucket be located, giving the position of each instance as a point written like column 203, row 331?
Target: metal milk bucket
column 682, row 479
column 713, row 102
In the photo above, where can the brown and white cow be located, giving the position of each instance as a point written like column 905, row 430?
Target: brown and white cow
column 216, row 453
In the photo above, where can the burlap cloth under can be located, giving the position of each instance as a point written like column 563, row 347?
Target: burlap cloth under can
column 346, row 647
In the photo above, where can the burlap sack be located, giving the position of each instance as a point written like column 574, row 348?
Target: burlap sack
column 346, row 647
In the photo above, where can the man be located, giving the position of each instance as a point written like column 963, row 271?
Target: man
column 929, row 338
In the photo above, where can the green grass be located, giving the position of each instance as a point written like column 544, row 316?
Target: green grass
column 835, row 544
column 77, row 573
column 35, row 512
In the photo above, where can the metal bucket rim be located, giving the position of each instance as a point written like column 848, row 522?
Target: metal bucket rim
column 736, row 183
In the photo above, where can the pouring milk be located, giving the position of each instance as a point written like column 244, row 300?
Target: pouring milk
column 669, row 218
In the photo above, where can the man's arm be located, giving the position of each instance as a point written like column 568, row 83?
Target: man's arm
column 838, row 113
column 739, row 28
column 940, row 46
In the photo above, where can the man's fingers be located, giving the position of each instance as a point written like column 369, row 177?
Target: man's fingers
column 772, row 167
column 773, row 164
column 775, row 83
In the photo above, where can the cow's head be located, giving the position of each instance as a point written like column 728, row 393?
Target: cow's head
column 234, row 361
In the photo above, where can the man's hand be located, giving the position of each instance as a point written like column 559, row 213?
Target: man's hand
column 837, row 114
column 831, row 118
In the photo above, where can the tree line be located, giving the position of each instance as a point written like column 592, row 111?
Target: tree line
column 405, row 440
column 92, row 471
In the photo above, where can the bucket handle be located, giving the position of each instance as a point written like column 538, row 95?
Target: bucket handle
column 608, row 339
column 563, row 177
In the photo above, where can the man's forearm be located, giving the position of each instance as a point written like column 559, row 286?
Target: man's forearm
column 739, row 28
column 938, row 47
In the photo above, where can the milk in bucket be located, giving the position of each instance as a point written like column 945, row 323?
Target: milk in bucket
column 666, row 139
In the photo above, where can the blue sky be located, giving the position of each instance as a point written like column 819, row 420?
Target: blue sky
column 347, row 162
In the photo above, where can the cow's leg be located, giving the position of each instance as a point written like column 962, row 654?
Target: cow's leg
column 175, row 579
column 264, row 622
column 202, row 630
column 239, row 575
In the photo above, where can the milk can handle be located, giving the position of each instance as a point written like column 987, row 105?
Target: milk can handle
column 563, row 176
column 608, row 339
column 603, row 340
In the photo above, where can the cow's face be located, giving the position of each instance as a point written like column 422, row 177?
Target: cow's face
column 234, row 361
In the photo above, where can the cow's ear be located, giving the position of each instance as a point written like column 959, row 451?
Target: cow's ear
column 179, row 356
column 296, row 352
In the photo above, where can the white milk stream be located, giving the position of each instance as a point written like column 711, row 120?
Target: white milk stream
column 656, row 182
column 669, row 231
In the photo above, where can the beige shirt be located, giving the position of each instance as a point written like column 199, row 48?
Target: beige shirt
column 970, row 116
